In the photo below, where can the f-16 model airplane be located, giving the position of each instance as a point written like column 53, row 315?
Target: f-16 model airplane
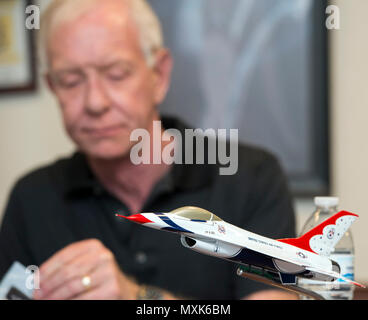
column 277, row 262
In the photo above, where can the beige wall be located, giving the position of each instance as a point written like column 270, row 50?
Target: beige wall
column 349, row 114
column 31, row 133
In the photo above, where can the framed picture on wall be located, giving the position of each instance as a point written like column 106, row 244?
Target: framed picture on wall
column 17, row 50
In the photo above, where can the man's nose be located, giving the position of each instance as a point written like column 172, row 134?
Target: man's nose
column 97, row 101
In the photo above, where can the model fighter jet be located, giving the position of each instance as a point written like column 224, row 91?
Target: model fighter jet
column 277, row 262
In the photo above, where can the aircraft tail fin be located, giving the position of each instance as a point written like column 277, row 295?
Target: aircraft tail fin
column 323, row 238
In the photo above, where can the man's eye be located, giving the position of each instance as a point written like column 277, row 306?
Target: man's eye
column 117, row 75
column 69, row 81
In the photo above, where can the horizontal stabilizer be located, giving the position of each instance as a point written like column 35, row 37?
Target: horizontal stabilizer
column 352, row 282
column 335, row 275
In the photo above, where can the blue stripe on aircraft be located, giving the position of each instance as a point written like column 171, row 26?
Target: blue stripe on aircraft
column 171, row 223
column 250, row 257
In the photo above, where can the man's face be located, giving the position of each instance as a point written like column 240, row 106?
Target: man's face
column 102, row 81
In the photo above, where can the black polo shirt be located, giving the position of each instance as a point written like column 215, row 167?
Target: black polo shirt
column 63, row 203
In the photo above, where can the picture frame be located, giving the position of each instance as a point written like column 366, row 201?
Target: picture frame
column 17, row 49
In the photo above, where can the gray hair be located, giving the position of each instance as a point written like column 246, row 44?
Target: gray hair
column 148, row 24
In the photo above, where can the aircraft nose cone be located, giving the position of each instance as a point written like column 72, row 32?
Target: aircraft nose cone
column 138, row 218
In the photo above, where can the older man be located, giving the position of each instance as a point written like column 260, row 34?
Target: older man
column 109, row 71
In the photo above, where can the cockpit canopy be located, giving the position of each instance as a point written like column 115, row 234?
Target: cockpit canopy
column 195, row 213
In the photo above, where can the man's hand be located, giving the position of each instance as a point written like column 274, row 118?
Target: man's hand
column 61, row 275
column 272, row 294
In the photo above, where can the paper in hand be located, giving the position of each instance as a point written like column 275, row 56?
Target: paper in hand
column 15, row 284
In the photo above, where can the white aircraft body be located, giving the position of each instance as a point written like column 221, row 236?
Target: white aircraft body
column 306, row 257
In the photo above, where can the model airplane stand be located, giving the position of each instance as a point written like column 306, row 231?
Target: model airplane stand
column 273, row 279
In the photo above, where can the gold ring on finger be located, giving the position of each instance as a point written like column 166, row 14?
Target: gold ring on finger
column 86, row 282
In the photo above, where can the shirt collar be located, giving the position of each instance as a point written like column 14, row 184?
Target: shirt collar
column 81, row 180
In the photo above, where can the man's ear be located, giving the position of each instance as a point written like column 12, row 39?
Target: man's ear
column 49, row 82
column 162, row 72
